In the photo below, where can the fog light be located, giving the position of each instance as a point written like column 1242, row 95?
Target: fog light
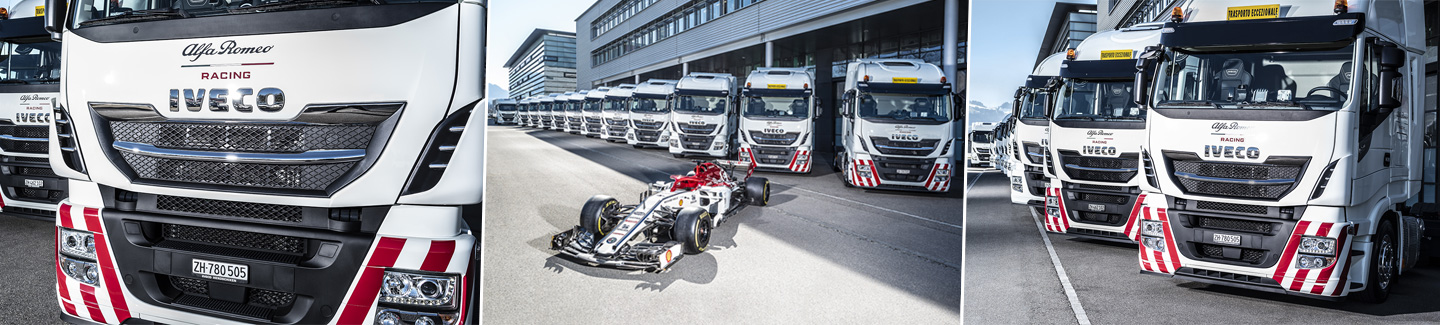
column 388, row 318
column 1313, row 261
column 1317, row 245
column 424, row 321
column 82, row 271
column 1052, row 212
column 1154, row 243
column 1152, row 228
column 939, row 179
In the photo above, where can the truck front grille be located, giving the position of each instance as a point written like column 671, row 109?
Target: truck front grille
column 270, row 138
column 35, row 171
column 697, row 128
column 300, row 177
column 1247, row 255
column 1230, row 207
column 1266, row 180
column 1235, row 224
column 648, row 125
column 234, row 238
column 903, row 169
column 251, row 210
column 695, row 142
column 1100, row 169
column 783, row 139
column 905, row 148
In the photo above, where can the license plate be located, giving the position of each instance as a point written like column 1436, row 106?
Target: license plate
column 1226, row 239
column 1096, row 207
column 234, row 273
column 902, row 171
column 34, row 183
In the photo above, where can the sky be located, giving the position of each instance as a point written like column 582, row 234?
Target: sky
column 1005, row 37
column 511, row 21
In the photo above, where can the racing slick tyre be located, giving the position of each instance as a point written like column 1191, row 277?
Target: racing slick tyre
column 1382, row 266
column 593, row 215
column 758, row 189
column 692, row 229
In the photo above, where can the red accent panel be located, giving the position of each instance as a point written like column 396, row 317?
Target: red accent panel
column 65, row 217
column 1289, row 254
column 439, row 257
column 92, row 221
column 88, row 294
column 107, row 273
column 367, row 289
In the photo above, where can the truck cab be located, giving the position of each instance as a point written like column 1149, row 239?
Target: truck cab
column 777, row 119
column 1095, row 133
column 704, row 115
column 542, row 115
column 1283, row 161
column 650, row 114
column 981, row 144
column 898, row 124
column 524, row 112
column 1032, row 134
column 615, row 113
column 573, row 120
column 1004, row 159
column 506, row 112
column 591, row 119
column 28, row 88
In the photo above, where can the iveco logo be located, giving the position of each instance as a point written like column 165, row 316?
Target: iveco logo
column 220, row 100
column 195, row 51
column 904, row 137
column 1232, row 152
column 773, row 131
column 1222, row 126
column 32, row 117
column 1099, row 150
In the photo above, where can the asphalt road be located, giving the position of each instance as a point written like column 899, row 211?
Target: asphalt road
column 27, row 269
column 1011, row 279
column 820, row 252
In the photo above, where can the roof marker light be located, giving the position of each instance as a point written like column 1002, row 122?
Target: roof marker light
column 1070, row 54
column 1342, row 6
column 1177, row 14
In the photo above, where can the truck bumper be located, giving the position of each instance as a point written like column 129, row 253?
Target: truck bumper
column 878, row 172
column 1096, row 214
column 777, row 158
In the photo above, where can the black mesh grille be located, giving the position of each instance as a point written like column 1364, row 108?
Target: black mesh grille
column 301, row 177
column 1108, row 219
column 1230, row 207
column 1252, row 256
column 906, row 148
column 271, row 138
column 1236, row 171
column 235, row 238
column 648, row 125
column 695, row 142
column 1103, row 198
column 189, row 285
column 269, row 298
column 774, row 139
column 616, row 123
column 24, row 146
column 29, row 159
column 26, row 131
column 273, row 212
column 1236, row 224
column 697, row 128
column 1035, row 149
column 34, row 171
column 1069, row 161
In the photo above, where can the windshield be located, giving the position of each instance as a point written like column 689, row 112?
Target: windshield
column 30, row 63
column 106, row 12
column 981, row 137
column 592, row 105
column 778, row 107
column 709, row 105
column 1034, row 105
column 649, row 105
column 904, row 108
column 1097, row 101
column 507, row 108
column 614, row 105
column 573, row 106
column 1255, row 80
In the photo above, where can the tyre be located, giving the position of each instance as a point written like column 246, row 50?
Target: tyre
column 758, row 189
column 593, row 215
column 1383, row 265
column 692, row 230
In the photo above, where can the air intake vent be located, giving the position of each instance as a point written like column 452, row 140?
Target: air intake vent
column 65, row 136
column 442, row 145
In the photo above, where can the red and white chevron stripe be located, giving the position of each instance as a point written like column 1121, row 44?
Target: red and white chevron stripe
column 1057, row 223
column 445, row 256
column 796, row 165
column 1166, row 261
column 748, row 157
column 937, row 186
column 1326, row 281
column 1132, row 224
column 106, row 303
column 857, row 179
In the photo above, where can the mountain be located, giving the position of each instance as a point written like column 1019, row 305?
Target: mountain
column 494, row 91
column 979, row 112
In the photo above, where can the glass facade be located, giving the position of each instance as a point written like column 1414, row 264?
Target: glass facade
column 1147, row 11
column 618, row 14
column 683, row 18
column 1078, row 26
column 547, row 66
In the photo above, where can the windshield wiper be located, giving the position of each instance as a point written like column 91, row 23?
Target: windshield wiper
column 1137, row 118
column 136, row 15
column 13, row 82
column 1192, row 103
column 1276, row 104
column 1087, row 118
column 293, row 4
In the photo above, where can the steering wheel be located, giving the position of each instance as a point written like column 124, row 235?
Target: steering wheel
column 1332, row 90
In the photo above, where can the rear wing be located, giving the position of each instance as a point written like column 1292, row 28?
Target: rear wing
column 732, row 164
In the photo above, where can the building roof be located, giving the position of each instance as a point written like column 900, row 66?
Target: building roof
column 534, row 37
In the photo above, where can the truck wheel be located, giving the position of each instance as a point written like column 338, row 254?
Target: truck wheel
column 593, row 215
column 758, row 189
column 1382, row 266
column 692, row 229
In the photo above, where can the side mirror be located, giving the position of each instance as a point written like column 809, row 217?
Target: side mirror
column 1144, row 74
column 957, row 102
column 55, row 17
column 1392, row 83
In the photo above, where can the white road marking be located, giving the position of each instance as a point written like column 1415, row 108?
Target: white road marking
column 1060, row 272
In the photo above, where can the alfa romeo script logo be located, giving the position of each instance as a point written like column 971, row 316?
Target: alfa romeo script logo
column 195, row 51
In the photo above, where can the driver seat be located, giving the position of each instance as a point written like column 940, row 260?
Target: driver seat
column 1343, row 79
column 1234, row 80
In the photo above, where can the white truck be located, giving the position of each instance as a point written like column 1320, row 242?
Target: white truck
column 592, row 121
column 1032, row 134
column 704, row 115
column 1285, row 152
column 899, row 118
column 777, row 120
column 615, row 113
column 505, row 111
column 28, row 86
column 522, row 117
column 228, row 165
column 650, row 114
column 573, row 120
column 981, row 144
column 1003, row 158
column 1095, row 133
column 552, row 112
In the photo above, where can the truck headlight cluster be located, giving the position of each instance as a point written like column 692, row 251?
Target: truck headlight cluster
column 1317, row 245
column 718, row 146
column 77, row 243
column 77, row 256
column 1313, row 262
column 400, row 317
column 1152, row 228
column 1051, row 201
column 864, row 170
column 1155, row 243
column 1017, row 184
column 420, row 290
column 1052, row 212
column 83, row 271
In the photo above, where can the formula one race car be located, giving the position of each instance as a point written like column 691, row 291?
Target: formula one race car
column 672, row 218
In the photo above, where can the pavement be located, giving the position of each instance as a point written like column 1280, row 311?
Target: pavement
column 27, row 258
column 1011, row 279
column 820, row 252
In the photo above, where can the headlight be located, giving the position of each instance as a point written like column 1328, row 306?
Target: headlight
column 1317, row 245
column 744, row 155
column 1154, row 243
column 85, row 272
column 1051, row 201
column 942, row 172
column 863, row 169
column 77, row 243
column 399, row 317
column 1313, row 262
column 405, row 288
column 718, row 146
column 1152, row 228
